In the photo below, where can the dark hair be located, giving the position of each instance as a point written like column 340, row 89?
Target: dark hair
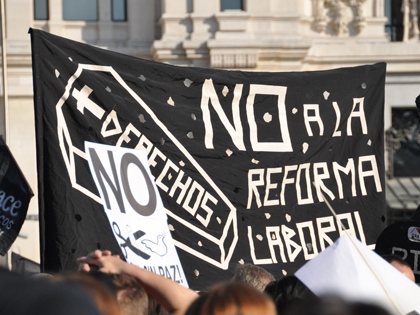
column 131, row 296
column 289, row 292
column 23, row 296
column 332, row 305
column 103, row 297
column 254, row 276
column 395, row 258
column 155, row 308
column 105, row 279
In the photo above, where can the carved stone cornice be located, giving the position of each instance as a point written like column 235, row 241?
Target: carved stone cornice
column 336, row 14
column 234, row 59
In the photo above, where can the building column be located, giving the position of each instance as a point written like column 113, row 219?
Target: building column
column 176, row 27
column 175, row 20
column 379, row 9
column 105, row 27
column 141, row 23
column 204, row 25
column 55, row 23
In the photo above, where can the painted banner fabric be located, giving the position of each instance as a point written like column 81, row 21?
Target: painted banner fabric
column 242, row 160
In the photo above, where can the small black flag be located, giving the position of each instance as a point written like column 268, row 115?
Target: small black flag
column 15, row 195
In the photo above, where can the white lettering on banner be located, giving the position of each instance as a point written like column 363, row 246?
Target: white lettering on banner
column 111, row 118
column 242, row 126
column 293, row 175
column 280, row 92
column 269, row 186
column 191, row 195
column 184, row 184
column 357, row 113
column 286, row 181
column 337, row 133
column 196, row 195
column 321, row 173
column 369, row 159
column 349, row 168
column 307, row 225
column 310, row 198
column 209, row 96
column 281, row 242
column 274, row 239
column 311, row 114
column 324, row 229
column 126, row 134
column 253, row 187
column 316, row 118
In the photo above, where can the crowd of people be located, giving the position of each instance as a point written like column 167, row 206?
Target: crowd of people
column 107, row 285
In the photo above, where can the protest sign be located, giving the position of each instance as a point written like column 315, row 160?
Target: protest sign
column 233, row 154
column 350, row 270
column 134, row 209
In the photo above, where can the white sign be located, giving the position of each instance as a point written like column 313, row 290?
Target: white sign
column 352, row 271
column 134, row 209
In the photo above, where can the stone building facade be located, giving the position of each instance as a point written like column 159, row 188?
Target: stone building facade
column 249, row 35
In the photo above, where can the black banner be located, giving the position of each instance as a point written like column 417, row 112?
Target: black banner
column 15, row 195
column 243, row 160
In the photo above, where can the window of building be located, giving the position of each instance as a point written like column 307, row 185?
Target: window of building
column 403, row 142
column 41, row 9
column 231, row 5
column 119, row 10
column 80, row 10
column 399, row 215
column 394, row 25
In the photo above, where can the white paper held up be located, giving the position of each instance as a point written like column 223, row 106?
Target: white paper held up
column 352, row 271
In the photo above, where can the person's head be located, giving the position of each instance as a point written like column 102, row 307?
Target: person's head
column 254, row 276
column 94, row 287
column 400, row 264
column 288, row 292
column 231, row 298
column 37, row 295
column 131, row 296
column 332, row 305
column 155, row 308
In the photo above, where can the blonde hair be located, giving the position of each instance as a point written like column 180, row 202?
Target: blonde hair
column 131, row 296
column 231, row 298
